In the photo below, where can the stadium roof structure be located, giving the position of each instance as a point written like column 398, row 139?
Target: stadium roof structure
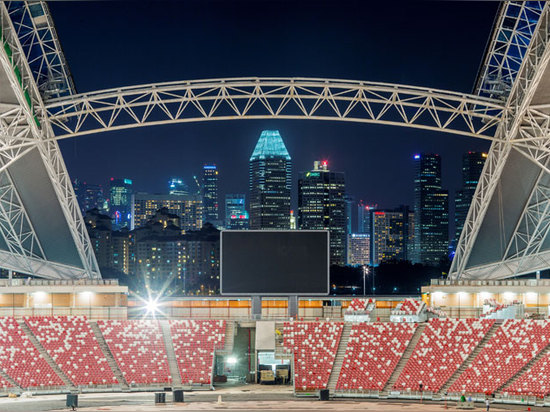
column 36, row 32
column 269, row 145
column 513, row 29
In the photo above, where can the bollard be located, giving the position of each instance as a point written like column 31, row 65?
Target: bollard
column 219, row 399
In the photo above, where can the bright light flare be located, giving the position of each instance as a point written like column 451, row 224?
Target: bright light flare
column 231, row 360
column 152, row 306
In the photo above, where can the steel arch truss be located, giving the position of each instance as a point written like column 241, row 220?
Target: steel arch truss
column 522, row 248
column 283, row 98
column 41, row 230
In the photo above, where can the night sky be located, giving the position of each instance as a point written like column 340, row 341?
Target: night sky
column 109, row 44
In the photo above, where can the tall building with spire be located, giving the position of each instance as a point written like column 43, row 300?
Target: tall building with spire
column 270, row 183
column 431, row 211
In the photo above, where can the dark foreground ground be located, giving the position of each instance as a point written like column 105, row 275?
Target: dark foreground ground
column 243, row 398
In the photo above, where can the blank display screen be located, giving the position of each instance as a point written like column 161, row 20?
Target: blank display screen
column 274, row 262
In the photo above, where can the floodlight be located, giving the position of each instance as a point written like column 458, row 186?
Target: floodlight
column 151, row 306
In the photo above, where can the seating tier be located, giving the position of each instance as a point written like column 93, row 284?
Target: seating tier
column 71, row 343
column 514, row 344
column 314, row 345
column 194, row 344
column 441, row 350
column 373, row 351
column 21, row 361
column 138, row 348
column 535, row 381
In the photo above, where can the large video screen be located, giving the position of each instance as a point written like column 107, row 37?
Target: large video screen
column 269, row 262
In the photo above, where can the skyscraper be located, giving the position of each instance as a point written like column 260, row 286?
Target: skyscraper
column 364, row 217
column 349, row 213
column 176, row 186
column 322, row 205
column 391, row 234
column 210, row 193
column 236, row 216
column 472, row 165
column 431, row 210
column 359, row 249
column 120, row 206
column 270, row 183
column 90, row 196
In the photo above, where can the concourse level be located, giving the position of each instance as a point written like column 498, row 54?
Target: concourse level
column 465, row 298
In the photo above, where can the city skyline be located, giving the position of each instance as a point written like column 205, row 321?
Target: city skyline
column 294, row 194
column 182, row 149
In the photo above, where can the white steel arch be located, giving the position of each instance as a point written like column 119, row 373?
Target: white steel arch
column 281, row 98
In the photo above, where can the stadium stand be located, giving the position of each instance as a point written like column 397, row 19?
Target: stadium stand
column 534, row 381
column 360, row 310
column 372, row 353
column 314, row 345
column 514, row 344
column 443, row 347
column 358, row 305
column 408, row 307
column 71, row 343
column 194, row 344
column 409, row 310
column 21, row 361
column 138, row 348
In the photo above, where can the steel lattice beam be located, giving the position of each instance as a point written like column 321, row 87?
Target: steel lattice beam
column 282, row 98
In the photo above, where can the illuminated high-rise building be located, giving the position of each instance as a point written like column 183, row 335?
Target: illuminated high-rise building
column 236, row 216
column 322, row 205
column 270, row 183
column 177, row 186
column 188, row 208
column 431, row 210
column 120, row 205
column 391, row 234
column 472, row 165
column 210, row 193
column 359, row 249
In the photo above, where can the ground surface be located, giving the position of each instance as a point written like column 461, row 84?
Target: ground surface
column 242, row 398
